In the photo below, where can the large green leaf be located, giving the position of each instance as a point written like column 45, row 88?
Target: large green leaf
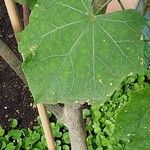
column 71, row 55
column 133, row 122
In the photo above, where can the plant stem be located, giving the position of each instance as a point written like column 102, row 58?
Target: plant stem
column 121, row 4
column 100, row 6
column 76, row 126
column 143, row 6
column 11, row 60
column 72, row 117
column 146, row 6
column 26, row 13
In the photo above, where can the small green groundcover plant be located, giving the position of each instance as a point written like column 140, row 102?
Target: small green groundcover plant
column 76, row 54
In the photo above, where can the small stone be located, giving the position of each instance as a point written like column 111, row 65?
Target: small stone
column 17, row 110
column 6, row 116
column 31, row 104
column 5, row 107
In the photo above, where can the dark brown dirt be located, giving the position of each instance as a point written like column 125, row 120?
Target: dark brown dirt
column 15, row 99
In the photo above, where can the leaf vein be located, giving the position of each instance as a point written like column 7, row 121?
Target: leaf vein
column 114, row 41
column 71, row 7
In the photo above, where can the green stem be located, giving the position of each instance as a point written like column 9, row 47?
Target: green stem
column 121, row 4
column 100, row 6
column 11, row 60
column 146, row 7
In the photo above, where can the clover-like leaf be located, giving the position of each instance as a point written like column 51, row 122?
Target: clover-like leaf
column 15, row 134
column 10, row 146
column 66, row 138
column 133, row 122
column 2, row 131
column 72, row 55
column 13, row 123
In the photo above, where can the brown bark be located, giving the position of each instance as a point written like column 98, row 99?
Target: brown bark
column 76, row 126
column 26, row 14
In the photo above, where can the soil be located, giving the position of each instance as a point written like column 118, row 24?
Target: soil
column 15, row 99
